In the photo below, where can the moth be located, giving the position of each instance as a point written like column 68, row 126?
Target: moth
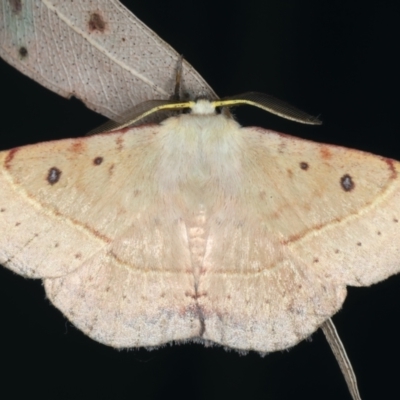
column 347, row 181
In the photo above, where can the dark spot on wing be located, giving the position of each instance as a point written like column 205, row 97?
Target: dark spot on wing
column 359, row 244
column 2, row 209
column 347, row 183
column 395, row 220
column 379, row 233
column 96, row 23
column 98, row 160
column 17, row 223
column 16, row 6
column 23, row 52
column 316, row 260
column 304, row 165
column 53, row 175
column 336, row 251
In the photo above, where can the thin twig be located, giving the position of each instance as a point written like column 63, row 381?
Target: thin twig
column 340, row 354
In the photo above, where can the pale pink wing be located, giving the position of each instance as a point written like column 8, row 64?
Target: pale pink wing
column 85, row 215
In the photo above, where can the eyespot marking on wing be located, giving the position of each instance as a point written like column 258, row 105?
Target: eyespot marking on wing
column 98, row 160
column 53, row 175
column 347, row 183
column 304, row 166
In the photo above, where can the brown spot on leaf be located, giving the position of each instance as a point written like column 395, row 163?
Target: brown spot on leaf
column 304, row 165
column 347, row 183
column 16, row 6
column 17, row 223
column 78, row 256
column 96, row 22
column 379, row 233
column 53, row 175
column 359, row 244
column 336, row 251
column 98, row 160
column 56, row 245
column 316, row 260
column 395, row 220
column 2, row 209
column 23, row 52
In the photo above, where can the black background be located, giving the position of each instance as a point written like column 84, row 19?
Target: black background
column 337, row 59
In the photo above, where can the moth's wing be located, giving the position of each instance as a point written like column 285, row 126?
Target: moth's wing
column 97, row 51
column 311, row 219
column 84, row 214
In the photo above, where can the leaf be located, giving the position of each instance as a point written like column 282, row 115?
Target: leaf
column 97, row 51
